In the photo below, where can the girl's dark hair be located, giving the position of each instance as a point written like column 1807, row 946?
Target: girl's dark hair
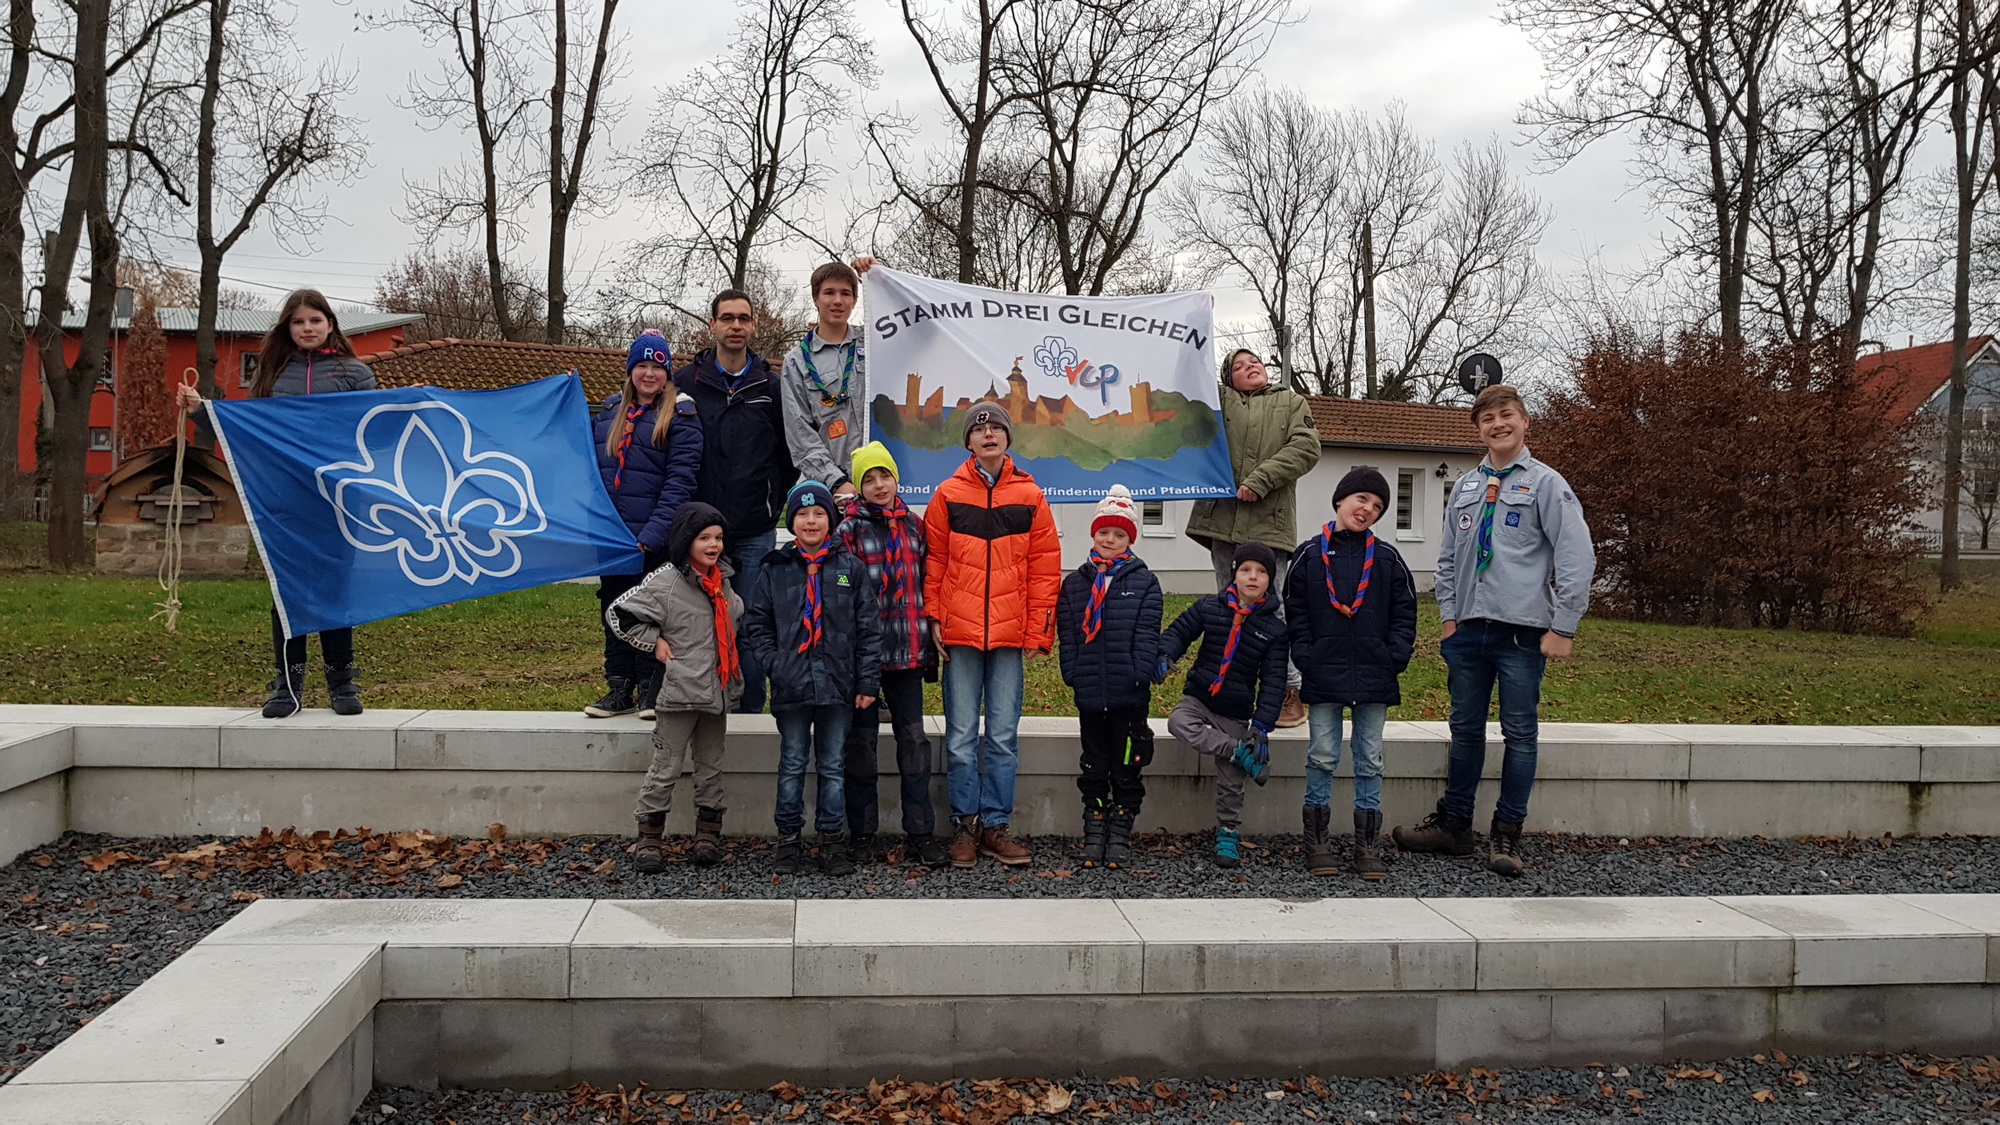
column 694, row 518
column 278, row 350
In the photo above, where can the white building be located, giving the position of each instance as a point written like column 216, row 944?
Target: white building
column 1420, row 450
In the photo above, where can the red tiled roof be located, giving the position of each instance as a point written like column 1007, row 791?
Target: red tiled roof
column 487, row 365
column 1368, row 423
column 1911, row 375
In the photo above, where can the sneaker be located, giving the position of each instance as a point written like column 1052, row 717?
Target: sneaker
column 617, row 701
column 1438, row 832
column 789, row 857
column 928, row 850
column 965, row 843
column 995, row 842
column 1506, row 854
column 1293, row 712
column 1244, row 758
column 1225, row 848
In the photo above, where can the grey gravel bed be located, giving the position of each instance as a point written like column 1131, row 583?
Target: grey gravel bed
column 1852, row 1090
column 73, row 939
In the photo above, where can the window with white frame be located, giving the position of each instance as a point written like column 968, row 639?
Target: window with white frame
column 1153, row 518
column 1406, row 500
column 100, row 439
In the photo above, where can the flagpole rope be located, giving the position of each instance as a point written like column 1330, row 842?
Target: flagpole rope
column 170, row 557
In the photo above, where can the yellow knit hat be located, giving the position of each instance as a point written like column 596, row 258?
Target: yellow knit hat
column 874, row 455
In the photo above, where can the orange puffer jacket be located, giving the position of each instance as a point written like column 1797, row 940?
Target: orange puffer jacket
column 994, row 566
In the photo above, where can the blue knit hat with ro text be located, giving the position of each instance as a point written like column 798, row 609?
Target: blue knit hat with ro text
column 649, row 346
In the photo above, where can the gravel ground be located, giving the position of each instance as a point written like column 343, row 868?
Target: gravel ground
column 87, row 918
column 1854, row 1090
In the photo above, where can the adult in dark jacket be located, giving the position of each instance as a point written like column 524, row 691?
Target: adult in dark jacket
column 814, row 625
column 304, row 353
column 649, row 445
column 1230, row 701
column 1108, row 631
column 1352, row 609
column 746, row 466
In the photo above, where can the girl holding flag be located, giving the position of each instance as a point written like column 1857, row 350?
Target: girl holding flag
column 1230, row 701
column 649, row 444
column 1352, row 608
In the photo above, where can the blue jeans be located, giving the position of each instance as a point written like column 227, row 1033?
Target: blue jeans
column 746, row 555
column 815, row 736
column 1478, row 654
column 1323, row 753
column 980, row 769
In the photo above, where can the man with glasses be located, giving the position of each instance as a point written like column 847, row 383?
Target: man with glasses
column 746, row 467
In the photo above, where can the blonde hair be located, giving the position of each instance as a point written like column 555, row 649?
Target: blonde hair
column 1497, row 395
column 627, row 395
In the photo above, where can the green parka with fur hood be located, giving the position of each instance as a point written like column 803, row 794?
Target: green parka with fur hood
column 1272, row 443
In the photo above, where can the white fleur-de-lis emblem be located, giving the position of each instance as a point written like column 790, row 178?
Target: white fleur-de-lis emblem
column 420, row 491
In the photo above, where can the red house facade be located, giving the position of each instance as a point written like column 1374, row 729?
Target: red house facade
column 239, row 332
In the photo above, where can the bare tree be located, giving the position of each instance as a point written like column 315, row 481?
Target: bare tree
column 263, row 129
column 484, row 82
column 451, row 290
column 1975, row 86
column 1112, row 94
column 1264, row 210
column 1014, row 249
column 1391, row 194
column 745, row 141
column 568, row 147
column 1698, row 82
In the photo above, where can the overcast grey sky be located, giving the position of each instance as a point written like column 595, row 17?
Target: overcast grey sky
column 1459, row 70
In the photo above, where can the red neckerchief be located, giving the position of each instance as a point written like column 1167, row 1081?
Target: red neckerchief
column 1093, row 613
column 632, row 416
column 1326, row 566
column 810, row 618
column 1242, row 613
column 725, row 630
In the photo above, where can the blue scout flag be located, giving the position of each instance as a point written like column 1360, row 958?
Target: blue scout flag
column 372, row 504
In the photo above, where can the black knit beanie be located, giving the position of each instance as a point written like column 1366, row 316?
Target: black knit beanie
column 694, row 518
column 1363, row 479
column 1256, row 553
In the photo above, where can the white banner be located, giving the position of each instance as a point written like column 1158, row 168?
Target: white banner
column 1101, row 390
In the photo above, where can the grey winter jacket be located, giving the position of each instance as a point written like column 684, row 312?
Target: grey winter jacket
column 1543, row 561
column 821, row 454
column 670, row 603
column 310, row 374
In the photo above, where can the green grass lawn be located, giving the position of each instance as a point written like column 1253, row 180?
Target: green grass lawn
column 91, row 639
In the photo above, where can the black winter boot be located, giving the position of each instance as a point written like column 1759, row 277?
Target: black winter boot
column 1439, row 832
column 617, row 701
column 1506, row 855
column 1368, row 845
column 707, row 850
column 649, row 855
column 1096, row 825
column 833, row 857
column 1319, row 850
column 340, row 683
column 288, row 689
column 1117, row 838
column 789, row 857
column 861, row 848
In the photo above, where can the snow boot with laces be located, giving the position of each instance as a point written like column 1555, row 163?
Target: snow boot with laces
column 650, row 855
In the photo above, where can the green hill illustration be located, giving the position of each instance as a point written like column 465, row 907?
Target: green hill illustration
column 1158, row 424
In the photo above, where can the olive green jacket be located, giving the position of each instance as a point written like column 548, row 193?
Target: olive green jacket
column 1272, row 443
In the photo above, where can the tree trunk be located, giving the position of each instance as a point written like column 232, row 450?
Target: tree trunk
column 558, row 200
column 1966, row 170
column 1368, row 302
column 13, row 257
column 210, row 282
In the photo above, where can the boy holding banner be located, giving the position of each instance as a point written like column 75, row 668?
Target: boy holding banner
column 994, row 571
column 824, row 382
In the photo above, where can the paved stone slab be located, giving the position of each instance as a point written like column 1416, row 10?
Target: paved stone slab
column 964, row 947
column 32, row 815
column 123, row 1103
column 315, row 739
column 1732, row 752
column 447, row 949
column 1868, row 939
column 1320, row 945
column 33, row 751
column 523, row 740
column 1978, row 912
column 1638, row 942
column 106, row 736
column 1953, row 753
column 684, row 948
column 269, row 1016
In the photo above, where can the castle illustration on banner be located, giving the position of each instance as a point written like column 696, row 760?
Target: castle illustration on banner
column 1157, row 424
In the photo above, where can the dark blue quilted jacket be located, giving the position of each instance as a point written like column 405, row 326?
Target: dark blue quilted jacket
column 846, row 662
column 1355, row 659
column 656, row 482
column 1255, row 686
column 1116, row 669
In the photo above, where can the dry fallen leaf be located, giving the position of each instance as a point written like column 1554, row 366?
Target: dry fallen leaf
column 1764, row 1096
column 244, row 896
column 496, row 832
column 446, row 882
column 1055, row 1100
column 605, row 868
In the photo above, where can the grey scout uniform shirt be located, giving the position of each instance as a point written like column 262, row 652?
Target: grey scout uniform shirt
column 821, row 454
column 1543, row 560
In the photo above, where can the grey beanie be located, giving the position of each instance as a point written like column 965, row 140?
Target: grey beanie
column 985, row 413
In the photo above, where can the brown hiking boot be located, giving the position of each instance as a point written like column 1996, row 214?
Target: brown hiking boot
column 1293, row 712
column 995, row 842
column 965, row 842
column 1506, row 855
column 707, row 837
column 648, row 855
column 1439, row 832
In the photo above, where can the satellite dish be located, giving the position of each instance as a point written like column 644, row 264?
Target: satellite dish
column 1478, row 372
